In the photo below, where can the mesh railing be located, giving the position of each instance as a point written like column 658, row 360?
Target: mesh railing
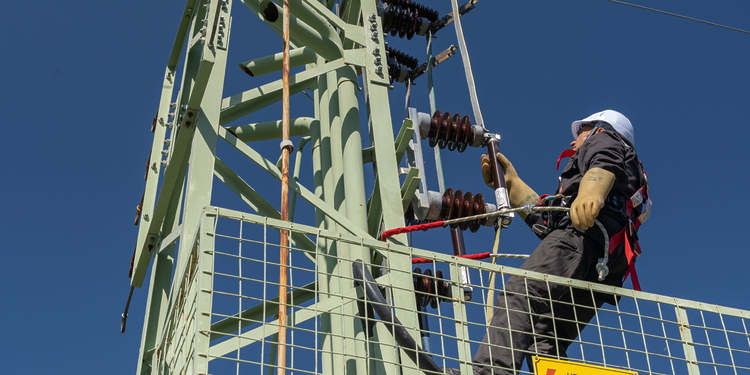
column 177, row 346
column 335, row 327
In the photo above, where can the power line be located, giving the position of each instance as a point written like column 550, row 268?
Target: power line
column 680, row 16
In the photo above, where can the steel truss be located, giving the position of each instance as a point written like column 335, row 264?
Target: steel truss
column 213, row 279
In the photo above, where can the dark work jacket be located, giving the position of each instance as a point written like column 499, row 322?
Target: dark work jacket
column 610, row 151
column 607, row 150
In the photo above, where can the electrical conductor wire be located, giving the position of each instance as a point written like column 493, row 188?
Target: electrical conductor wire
column 679, row 16
column 467, row 65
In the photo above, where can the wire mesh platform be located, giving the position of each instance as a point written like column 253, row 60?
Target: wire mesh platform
column 223, row 316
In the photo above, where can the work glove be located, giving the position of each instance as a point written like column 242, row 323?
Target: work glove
column 519, row 193
column 510, row 173
column 594, row 187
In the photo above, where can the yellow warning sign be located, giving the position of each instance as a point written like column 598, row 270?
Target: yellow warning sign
column 549, row 366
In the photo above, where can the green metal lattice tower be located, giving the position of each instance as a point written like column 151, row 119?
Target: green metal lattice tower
column 212, row 300
column 191, row 120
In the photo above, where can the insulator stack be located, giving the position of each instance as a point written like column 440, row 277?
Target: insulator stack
column 453, row 131
column 428, row 288
column 424, row 12
column 452, row 205
column 459, row 204
column 402, row 58
column 399, row 64
column 405, row 18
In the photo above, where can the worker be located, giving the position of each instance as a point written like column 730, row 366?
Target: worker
column 599, row 180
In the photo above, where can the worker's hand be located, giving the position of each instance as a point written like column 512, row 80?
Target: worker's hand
column 510, row 173
column 594, row 187
column 519, row 193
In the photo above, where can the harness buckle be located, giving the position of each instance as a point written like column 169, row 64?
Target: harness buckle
column 540, row 230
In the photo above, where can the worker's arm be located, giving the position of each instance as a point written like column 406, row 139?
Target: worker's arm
column 519, row 193
column 594, row 187
column 602, row 158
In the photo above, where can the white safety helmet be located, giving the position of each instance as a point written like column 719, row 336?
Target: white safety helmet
column 618, row 121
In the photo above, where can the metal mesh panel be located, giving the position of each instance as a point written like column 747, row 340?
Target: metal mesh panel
column 176, row 349
column 331, row 327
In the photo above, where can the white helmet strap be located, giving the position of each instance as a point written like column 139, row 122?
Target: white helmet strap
column 598, row 125
column 606, row 126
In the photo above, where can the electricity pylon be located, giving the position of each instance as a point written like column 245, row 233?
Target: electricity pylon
column 178, row 223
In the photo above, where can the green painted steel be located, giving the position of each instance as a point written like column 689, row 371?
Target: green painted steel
column 213, row 290
column 204, row 291
column 272, row 129
column 272, row 63
column 295, row 187
column 339, row 197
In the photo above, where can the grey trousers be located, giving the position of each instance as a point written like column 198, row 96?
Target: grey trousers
column 540, row 315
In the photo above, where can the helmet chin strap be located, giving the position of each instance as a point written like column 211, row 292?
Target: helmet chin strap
column 598, row 125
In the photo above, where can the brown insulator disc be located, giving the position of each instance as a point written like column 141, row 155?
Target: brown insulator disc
column 479, row 208
column 468, row 209
column 447, row 204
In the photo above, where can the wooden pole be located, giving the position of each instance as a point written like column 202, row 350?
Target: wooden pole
column 286, row 149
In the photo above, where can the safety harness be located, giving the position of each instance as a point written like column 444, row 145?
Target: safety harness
column 637, row 210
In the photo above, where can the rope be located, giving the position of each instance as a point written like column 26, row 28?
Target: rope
column 491, row 280
column 473, row 256
column 525, row 209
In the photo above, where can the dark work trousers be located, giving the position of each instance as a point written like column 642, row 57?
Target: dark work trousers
column 540, row 315
column 559, row 327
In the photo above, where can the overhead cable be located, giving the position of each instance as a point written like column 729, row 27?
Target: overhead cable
column 467, row 66
column 680, row 16
column 433, row 108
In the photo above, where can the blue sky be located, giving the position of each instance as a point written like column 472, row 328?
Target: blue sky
column 80, row 85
